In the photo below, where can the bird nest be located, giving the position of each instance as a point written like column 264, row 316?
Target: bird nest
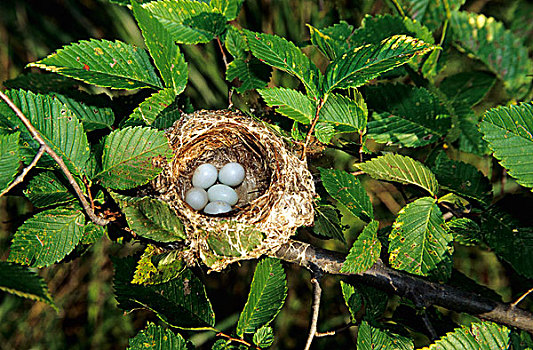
column 275, row 198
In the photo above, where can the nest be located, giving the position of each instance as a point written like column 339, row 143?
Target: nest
column 275, row 198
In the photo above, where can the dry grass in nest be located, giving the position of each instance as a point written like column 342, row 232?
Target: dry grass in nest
column 275, row 198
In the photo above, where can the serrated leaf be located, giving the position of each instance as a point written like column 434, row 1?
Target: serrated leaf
column 91, row 112
column 284, row 55
column 343, row 111
column 347, row 189
column 267, row 295
column 431, row 13
column 479, row 336
column 498, row 48
column 252, row 74
column 180, row 302
column 420, row 239
column 290, row 103
column 332, row 41
column 9, row 159
column 462, row 178
column 229, row 8
column 42, row 83
column 151, row 218
column 352, row 298
column 409, row 116
column 129, row 157
column 471, row 139
column 92, row 233
column 465, row 231
column 509, row 132
column 362, row 64
column 235, row 43
column 324, row 132
column 58, row 126
column 188, row 22
column 364, row 251
column 158, row 338
column 264, row 337
column 402, row 169
column 327, row 222
column 46, row 190
column 166, row 54
column 103, row 63
column 23, row 282
column 467, row 88
column 237, row 240
column 508, row 240
column 371, row 338
column 156, row 266
column 47, row 237
column 149, row 110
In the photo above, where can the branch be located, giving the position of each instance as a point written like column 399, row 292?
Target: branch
column 312, row 127
column 414, row 288
column 25, row 171
column 37, row 136
column 317, row 293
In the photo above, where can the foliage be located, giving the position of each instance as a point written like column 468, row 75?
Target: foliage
column 422, row 96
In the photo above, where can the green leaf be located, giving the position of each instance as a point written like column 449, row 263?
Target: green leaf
column 328, row 223
column 46, row 190
column 365, row 250
column 509, row 132
column 343, row 111
column 252, row 74
column 47, row 237
column 467, row 88
column 130, row 157
column 465, row 231
column 58, row 126
column 158, row 338
column 187, row 21
column 284, row 55
column 479, row 336
column 420, row 239
column 92, row 233
column 237, row 240
column 352, row 298
column 371, row 338
column 402, row 169
column 409, row 116
column 155, row 266
column 151, row 218
column 21, row 281
column 91, row 112
column 462, row 178
column 267, row 295
column 236, row 43
column 332, row 41
column 42, row 83
column 166, row 54
column 508, row 240
column 229, row 8
column 180, row 302
column 290, row 103
column 103, row 63
column 264, row 337
column 471, row 139
column 149, row 110
column 431, row 13
column 347, row 189
column 362, row 64
column 498, row 48
column 9, row 159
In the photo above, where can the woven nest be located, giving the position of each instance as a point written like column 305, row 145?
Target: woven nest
column 275, row 198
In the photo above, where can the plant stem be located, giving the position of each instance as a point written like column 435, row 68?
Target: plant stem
column 25, row 171
column 237, row 340
column 37, row 136
column 317, row 293
column 312, row 127
column 334, row 331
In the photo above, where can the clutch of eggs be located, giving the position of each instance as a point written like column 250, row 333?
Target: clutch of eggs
column 215, row 198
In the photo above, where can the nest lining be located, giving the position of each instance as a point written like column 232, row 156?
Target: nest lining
column 275, row 197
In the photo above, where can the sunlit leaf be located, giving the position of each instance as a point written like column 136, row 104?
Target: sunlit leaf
column 479, row 336
column 290, row 103
column 9, row 159
column 264, row 337
column 340, row 110
column 46, row 190
column 328, row 223
column 252, row 74
column 431, row 13
column 158, row 338
column 229, row 8
column 371, row 338
column 91, row 112
column 332, row 41
column 365, row 250
column 149, row 110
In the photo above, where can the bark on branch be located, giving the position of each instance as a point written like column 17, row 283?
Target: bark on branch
column 402, row 284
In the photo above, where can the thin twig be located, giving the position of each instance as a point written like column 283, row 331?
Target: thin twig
column 25, row 171
column 37, row 136
column 224, row 58
column 317, row 293
column 515, row 304
column 334, row 331
column 429, row 325
column 312, row 127
column 237, row 340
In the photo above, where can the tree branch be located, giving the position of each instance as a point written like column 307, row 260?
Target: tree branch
column 414, row 288
column 25, row 171
column 37, row 136
column 317, row 294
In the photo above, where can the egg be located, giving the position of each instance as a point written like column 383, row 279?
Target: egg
column 197, row 198
column 222, row 193
column 217, row 207
column 231, row 174
column 204, row 176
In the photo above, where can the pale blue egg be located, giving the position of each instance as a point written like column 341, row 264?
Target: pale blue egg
column 204, row 176
column 197, row 198
column 222, row 193
column 231, row 174
column 217, row 207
